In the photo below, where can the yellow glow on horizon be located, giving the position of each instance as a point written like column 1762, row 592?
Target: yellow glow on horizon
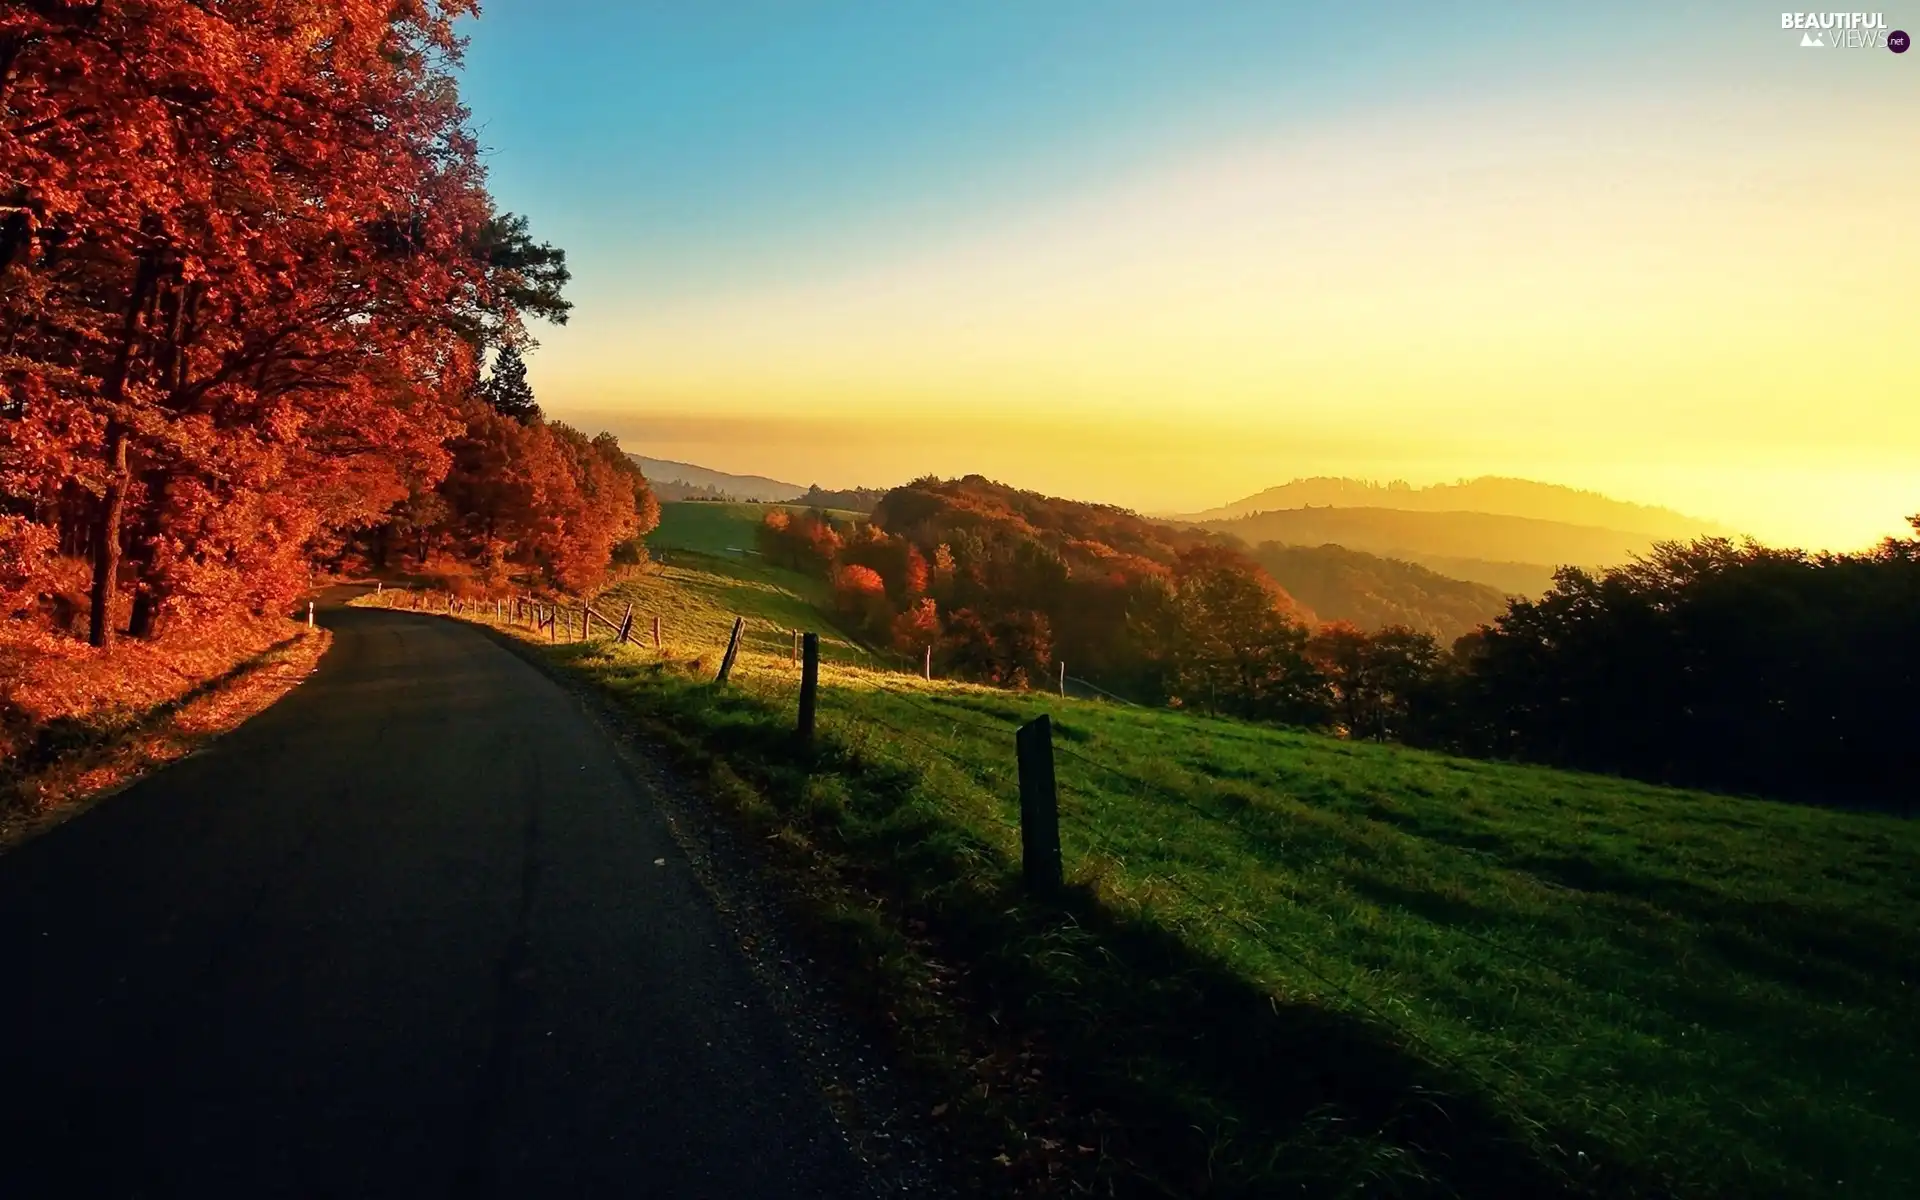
column 1690, row 301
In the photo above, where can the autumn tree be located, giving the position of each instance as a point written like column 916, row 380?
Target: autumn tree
column 250, row 265
column 540, row 500
column 805, row 541
column 861, row 596
column 918, row 628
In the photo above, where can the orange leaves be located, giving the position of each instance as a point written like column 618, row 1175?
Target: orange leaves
column 807, row 542
column 858, row 583
column 257, row 236
column 542, row 498
column 917, row 628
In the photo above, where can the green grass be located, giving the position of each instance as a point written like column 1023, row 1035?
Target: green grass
column 697, row 597
column 1288, row 964
column 712, row 528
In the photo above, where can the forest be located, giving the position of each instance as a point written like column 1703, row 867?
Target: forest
column 251, row 285
column 1709, row 663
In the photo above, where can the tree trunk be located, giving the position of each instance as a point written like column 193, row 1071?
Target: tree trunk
column 145, row 622
column 106, row 538
column 148, row 603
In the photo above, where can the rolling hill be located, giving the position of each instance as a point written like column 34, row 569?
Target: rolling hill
column 1489, row 494
column 1515, row 554
column 1369, row 591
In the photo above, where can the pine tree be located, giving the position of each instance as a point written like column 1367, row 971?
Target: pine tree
column 507, row 388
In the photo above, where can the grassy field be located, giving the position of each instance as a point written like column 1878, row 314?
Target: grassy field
column 1291, row 965
column 713, row 528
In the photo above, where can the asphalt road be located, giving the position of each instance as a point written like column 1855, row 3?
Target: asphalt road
column 403, row 934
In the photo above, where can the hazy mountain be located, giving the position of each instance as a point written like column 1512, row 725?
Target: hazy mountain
column 704, row 483
column 1339, row 584
column 1489, row 548
column 1490, row 494
column 1510, row 578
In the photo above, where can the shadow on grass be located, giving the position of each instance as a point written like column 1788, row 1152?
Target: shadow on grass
column 1192, row 1080
column 1818, row 948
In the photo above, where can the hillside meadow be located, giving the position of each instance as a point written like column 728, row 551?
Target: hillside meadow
column 1288, row 964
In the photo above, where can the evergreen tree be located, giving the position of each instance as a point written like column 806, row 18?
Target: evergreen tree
column 507, row 388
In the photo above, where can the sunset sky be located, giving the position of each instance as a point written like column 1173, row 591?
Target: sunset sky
column 1166, row 255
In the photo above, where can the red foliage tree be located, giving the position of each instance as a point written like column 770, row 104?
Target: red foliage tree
column 860, row 593
column 917, row 628
column 807, row 542
column 540, row 499
column 250, row 261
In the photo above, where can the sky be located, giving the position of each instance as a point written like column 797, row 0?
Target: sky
column 1169, row 254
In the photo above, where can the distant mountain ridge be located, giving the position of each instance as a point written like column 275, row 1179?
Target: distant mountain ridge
column 1398, row 533
column 686, row 481
column 1492, row 494
column 1514, row 554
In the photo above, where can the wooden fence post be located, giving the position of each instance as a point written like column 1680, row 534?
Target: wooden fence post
column 309, row 614
column 586, row 624
column 927, row 669
column 809, row 685
column 1063, row 677
column 553, row 623
column 626, row 624
column 796, row 646
column 656, row 631
column 733, row 650
column 1039, row 807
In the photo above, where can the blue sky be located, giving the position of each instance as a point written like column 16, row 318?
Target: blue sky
column 1163, row 254
column 710, row 142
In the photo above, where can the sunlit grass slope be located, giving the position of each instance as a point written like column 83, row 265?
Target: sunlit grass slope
column 1297, row 965
column 713, row 528
column 704, row 575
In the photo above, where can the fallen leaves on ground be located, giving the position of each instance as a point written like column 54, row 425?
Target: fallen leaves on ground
column 142, row 706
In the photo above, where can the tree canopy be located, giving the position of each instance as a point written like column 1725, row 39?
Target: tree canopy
column 248, row 268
